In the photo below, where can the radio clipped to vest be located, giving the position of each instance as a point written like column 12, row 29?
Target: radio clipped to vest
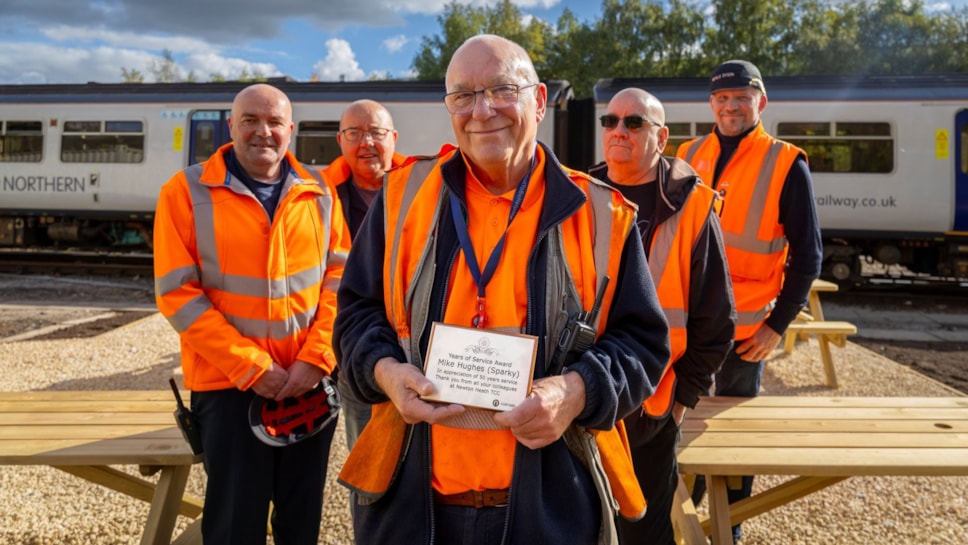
column 578, row 334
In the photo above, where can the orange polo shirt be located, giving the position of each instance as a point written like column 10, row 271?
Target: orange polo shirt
column 478, row 459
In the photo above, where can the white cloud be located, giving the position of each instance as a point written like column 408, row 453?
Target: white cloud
column 340, row 63
column 395, row 43
column 204, row 65
column 24, row 62
column 175, row 44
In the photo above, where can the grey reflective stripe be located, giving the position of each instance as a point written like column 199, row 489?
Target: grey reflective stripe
column 691, row 151
column 325, row 204
column 210, row 272
column 748, row 241
column 189, row 312
column 676, row 317
column 203, row 214
column 753, row 317
column 418, row 173
column 665, row 235
column 601, row 202
column 176, row 279
column 272, row 329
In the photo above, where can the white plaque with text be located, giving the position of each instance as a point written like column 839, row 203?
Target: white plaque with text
column 478, row 367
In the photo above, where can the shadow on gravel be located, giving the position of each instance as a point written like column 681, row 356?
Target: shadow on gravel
column 95, row 328
column 946, row 362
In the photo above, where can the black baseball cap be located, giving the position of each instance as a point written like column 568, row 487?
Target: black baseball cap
column 736, row 74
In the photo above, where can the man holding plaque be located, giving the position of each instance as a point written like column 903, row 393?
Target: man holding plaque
column 684, row 244
column 490, row 267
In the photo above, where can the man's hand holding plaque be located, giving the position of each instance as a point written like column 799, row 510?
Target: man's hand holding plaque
column 479, row 368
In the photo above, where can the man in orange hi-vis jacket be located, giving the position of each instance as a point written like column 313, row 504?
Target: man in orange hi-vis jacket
column 249, row 251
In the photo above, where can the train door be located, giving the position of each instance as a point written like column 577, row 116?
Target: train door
column 961, row 171
column 209, row 130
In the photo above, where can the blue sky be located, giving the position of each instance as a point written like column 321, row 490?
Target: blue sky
column 75, row 41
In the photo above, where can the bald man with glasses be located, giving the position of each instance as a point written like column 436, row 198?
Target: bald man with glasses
column 683, row 243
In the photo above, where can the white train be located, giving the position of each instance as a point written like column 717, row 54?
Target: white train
column 83, row 164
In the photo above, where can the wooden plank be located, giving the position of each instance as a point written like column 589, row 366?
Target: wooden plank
column 80, row 419
column 144, row 450
column 823, row 285
column 685, row 521
column 824, row 461
column 768, row 500
column 92, row 432
column 90, row 395
column 86, row 405
column 829, row 440
column 824, row 327
column 130, row 485
column 694, row 427
column 826, row 401
column 835, row 413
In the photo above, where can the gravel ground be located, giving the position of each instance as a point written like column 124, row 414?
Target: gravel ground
column 44, row 506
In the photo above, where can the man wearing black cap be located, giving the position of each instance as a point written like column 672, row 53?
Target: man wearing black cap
column 769, row 223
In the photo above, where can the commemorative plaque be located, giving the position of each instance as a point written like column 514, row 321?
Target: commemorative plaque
column 479, row 368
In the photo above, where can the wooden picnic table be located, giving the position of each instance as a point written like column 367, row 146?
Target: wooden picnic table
column 819, row 440
column 85, row 432
column 812, row 322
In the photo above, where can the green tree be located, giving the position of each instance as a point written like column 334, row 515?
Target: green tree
column 165, row 69
column 131, row 76
column 460, row 22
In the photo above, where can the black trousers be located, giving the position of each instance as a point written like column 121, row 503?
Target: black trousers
column 244, row 475
column 653, row 443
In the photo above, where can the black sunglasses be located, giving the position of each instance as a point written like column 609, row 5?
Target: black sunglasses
column 632, row 122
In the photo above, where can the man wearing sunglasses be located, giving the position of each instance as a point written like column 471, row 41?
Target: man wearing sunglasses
column 683, row 242
column 770, row 225
column 367, row 142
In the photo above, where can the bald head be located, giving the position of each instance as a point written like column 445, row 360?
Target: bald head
column 635, row 138
column 367, row 142
column 497, row 133
column 649, row 104
column 261, row 128
column 508, row 58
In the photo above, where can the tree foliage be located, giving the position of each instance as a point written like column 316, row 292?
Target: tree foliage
column 639, row 38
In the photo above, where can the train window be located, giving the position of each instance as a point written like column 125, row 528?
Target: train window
column 856, row 147
column 21, row 141
column 704, row 128
column 316, row 142
column 103, row 142
column 784, row 130
column 863, row 129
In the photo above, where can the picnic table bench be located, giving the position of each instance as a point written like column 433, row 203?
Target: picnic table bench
column 85, row 432
column 819, row 440
column 812, row 322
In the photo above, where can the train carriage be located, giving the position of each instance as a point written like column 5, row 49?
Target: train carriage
column 83, row 164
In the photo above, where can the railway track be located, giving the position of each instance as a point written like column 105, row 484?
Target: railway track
column 76, row 262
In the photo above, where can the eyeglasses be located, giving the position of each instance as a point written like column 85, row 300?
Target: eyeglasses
column 499, row 96
column 376, row 134
column 632, row 122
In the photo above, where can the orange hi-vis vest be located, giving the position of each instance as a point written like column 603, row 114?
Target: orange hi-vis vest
column 670, row 262
column 756, row 247
column 240, row 291
column 414, row 197
column 338, row 172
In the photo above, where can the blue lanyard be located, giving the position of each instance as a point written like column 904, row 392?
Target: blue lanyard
column 482, row 279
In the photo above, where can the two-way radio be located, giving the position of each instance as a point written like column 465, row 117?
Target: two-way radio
column 186, row 421
column 578, row 334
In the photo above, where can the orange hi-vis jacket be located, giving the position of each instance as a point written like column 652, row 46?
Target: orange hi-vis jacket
column 413, row 200
column 756, row 247
column 670, row 262
column 240, row 291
